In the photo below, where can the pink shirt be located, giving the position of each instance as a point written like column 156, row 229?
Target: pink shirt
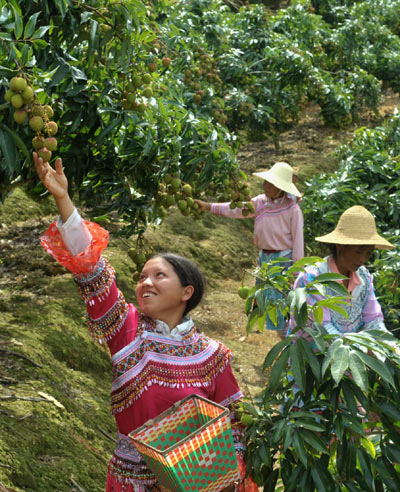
column 278, row 224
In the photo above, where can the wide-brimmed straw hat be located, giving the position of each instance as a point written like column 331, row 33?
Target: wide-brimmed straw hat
column 281, row 176
column 356, row 226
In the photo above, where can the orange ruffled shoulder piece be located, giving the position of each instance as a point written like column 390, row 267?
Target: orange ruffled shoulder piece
column 83, row 262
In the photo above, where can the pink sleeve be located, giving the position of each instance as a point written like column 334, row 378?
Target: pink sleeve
column 297, row 235
column 225, row 210
column 372, row 310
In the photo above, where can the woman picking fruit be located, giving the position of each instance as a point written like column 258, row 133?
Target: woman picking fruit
column 158, row 356
column 278, row 221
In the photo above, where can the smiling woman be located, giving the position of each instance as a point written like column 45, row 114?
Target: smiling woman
column 158, row 356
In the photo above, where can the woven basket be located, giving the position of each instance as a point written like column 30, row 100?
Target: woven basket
column 189, row 447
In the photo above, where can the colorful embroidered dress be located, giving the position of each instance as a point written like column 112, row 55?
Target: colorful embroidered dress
column 364, row 311
column 150, row 371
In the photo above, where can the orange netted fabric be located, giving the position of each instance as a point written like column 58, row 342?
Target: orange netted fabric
column 246, row 484
column 83, row 262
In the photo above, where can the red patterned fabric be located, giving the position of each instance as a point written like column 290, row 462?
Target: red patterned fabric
column 84, row 262
column 247, row 484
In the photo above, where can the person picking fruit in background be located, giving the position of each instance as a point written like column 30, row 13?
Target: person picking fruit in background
column 278, row 221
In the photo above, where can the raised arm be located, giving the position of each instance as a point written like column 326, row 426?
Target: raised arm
column 56, row 183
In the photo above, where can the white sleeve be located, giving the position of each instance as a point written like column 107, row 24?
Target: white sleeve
column 74, row 233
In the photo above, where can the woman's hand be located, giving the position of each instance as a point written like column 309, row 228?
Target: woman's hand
column 203, row 205
column 56, row 183
column 53, row 179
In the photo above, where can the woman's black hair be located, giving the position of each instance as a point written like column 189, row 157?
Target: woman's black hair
column 189, row 274
column 333, row 250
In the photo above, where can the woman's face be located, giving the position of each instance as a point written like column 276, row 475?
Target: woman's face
column 271, row 191
column 160, row 293
column 350, row 257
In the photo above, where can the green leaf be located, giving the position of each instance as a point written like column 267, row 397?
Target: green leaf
column 298, row 445
column 318, row 314
column 19, row 143
column 390, row 410
column 309, row 356
column 368, row 446
column 278, row 369
column 330, row 354
column 18, row 25
column 39, row 33
column 358, row 371
column 297, row 365
column 276, row 349
column 30, row 25
column 9, row 152
column 379, row 367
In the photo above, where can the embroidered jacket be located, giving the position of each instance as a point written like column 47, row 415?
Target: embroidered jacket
column 150, row 371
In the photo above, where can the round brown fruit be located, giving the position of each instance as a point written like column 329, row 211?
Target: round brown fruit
column 36, row 123
column 197, row 99
column 152, row 66
column 20, row 116
column 17, row 101
column 166, row 61
column 52, row 128
column 45, row 154
column 50, row 143
column 18, row 84
column 37, row 142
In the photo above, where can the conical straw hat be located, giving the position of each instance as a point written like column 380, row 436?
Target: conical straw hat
column 281, row 176
column 356, row 226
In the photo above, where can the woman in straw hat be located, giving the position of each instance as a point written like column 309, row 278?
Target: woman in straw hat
column 352, row 243
column 278, row 220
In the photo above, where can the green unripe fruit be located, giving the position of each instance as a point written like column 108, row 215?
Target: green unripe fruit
column 167, row 178
column 132, row 253
column 36, row 123
column 197, row 99
column 226, row 183
column 50, row 143
column 147, row 78
column 137, row 81
column 141, row 107
column 232, row 205
column 9, row 94
column 45, row 154
column 175, row 184
column 130, row 87
column 17, row 101
column 126, row 104
column 37, row 110
column 190, row 202
column 182, row 205
column 131, row 97
column 51, row 128
column 20, row 116
column 140, row 259
column 18, row 84
column 187, row 189
column 243, row 291
column 48, row 110
column 170, row 200
column 186, row 211
column 27, row 95
column 135, row 276
column 246, row 419
column 250, row 206
column 245, row 212
column 148, row 92
column 37, row 142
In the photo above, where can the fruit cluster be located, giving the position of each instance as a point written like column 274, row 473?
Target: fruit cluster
column 172, row 191
column 137, row 88
column 238, row 194
column 26, row 106
column 139, row 257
